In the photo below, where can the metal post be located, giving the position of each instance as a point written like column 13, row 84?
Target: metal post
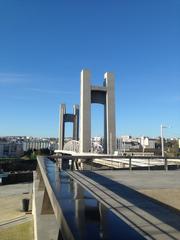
column 149, row 164
column 162, row 138
column 124, row 145
column 165, row 164
column 130, row 164
column 72, row 165
column 162, row 141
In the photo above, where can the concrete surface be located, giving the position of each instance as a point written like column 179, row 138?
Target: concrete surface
column 22, row 231
column 45, row 226
column 11, row 201
column 121, row 192
column 163, row 186
column 14, row 223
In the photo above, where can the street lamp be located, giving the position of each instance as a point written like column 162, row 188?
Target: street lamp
column 124, row 146
column 162, row 139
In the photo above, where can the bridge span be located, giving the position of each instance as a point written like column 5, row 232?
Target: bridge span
column 119, row 161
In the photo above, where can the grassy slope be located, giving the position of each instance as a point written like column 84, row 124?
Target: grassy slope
column 22, row 231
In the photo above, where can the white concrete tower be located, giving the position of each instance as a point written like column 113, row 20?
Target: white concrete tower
column 62, row 113
column 85, row 112
column 102, row 95
column 110, row 113
column 68, row 117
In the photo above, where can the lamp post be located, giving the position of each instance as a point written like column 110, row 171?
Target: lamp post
column 162, row 139
column 124, row 146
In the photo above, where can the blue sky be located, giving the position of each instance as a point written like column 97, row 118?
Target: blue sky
column 45, row 44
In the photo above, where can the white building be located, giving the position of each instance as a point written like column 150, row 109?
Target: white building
column 39, row 143
column 11, row 149
column 147, row 143
column 129, row 143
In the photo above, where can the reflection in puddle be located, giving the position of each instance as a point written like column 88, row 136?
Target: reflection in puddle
column 86, row 217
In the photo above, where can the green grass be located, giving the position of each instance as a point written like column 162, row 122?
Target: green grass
column 22, row 231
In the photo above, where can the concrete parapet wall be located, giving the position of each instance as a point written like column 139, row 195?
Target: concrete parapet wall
column 45, row 226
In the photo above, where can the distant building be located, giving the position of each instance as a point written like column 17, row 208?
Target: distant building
column 148, row 143
column 16, row 146
column 129, row 143
column 11, row 149
column 38, row 143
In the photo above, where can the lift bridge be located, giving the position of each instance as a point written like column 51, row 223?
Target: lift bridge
column 87, row 191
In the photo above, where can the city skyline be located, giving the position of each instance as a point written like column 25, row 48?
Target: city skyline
column 45, row 46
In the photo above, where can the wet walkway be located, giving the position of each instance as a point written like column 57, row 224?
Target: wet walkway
column 86, row 217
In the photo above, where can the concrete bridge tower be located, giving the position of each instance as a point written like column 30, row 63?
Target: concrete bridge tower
column 102, row 95
column 68, row 117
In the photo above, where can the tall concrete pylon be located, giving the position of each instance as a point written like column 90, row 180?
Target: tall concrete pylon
column 102, row 95
column 68, row 117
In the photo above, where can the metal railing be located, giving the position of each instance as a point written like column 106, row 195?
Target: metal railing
column 99, row 162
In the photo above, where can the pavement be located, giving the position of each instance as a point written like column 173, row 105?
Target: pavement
column 161, row 185
column 11, row 204
column 147, row 200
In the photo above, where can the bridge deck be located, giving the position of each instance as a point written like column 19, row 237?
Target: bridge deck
column 108, row 160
